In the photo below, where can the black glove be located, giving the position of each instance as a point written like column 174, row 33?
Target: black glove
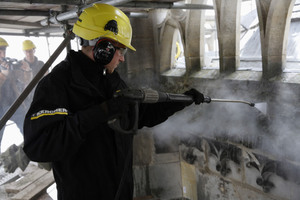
column 117, row 107
column 122, row 110
column 197, row 96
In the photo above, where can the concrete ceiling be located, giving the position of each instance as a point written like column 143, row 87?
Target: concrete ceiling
column 43, row 17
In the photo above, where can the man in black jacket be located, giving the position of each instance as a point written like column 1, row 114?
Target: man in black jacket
column 67, row 121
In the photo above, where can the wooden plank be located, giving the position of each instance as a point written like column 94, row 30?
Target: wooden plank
column 36, row 188
column 17, row 186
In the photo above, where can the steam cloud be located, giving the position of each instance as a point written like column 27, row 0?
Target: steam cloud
column 275, row 133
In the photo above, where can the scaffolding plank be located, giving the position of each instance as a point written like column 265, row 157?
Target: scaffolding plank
column 36, row 187
column 17, row 186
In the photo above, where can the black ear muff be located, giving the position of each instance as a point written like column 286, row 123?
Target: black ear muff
column 104, row 51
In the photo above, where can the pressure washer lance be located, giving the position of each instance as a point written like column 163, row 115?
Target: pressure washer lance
column 137, row 96
column 208, row 100
column 153, row 96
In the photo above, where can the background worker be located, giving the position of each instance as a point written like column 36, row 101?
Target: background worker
column 67, row 123
column 34, row 63
column 4, row 66
column 13, row 75
column 29, row 49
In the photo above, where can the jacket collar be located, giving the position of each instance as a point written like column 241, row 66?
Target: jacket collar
column 82, row 69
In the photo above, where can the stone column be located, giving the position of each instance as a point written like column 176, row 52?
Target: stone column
column 167, row 41
column 140, row 64
column 274, row 23
column 228, row 14
column 194, row 38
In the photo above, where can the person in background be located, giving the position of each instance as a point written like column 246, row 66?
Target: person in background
column 67, row 123
column 14, row 156
column 29, row 50
column 13, row 75
column 34, row 63
column 3, row 65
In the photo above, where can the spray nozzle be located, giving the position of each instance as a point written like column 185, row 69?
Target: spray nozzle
column 208, row 100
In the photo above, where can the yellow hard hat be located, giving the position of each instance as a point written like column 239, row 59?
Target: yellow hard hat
column 3, row 42
column 28, row 44
column 103, row 20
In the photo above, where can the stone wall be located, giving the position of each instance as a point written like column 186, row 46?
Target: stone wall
column 238, row 151
column 216, row 150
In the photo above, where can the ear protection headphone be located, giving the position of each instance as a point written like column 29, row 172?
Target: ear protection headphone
column 104, row 51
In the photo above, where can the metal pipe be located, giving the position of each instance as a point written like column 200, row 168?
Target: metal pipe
column 233, row 101
column 45, row 30
column 208, row 100
column 137, row 15
column 122, row 3
column 59, row 2
column 28, row 34
column 10, row 22
column 35, row 80
column 187, row 98
column 61, row 17
column 24, row 12
column 75, row 13
column 166, row 5
column 192, row 6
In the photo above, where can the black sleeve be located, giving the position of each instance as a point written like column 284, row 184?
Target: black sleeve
column 51, row 131
column 153, row 114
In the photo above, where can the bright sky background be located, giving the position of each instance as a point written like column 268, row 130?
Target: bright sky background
column 44, row 48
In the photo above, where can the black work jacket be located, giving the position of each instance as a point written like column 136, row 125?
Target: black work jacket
column 66, row 125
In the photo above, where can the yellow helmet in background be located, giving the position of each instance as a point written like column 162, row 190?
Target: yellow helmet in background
column 103, row 20
column 28, row 44
column 3, row 42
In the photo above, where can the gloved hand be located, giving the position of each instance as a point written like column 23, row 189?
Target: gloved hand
column 117, row 107
column 197, row 96
column 121, row 113
column 13, row 158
